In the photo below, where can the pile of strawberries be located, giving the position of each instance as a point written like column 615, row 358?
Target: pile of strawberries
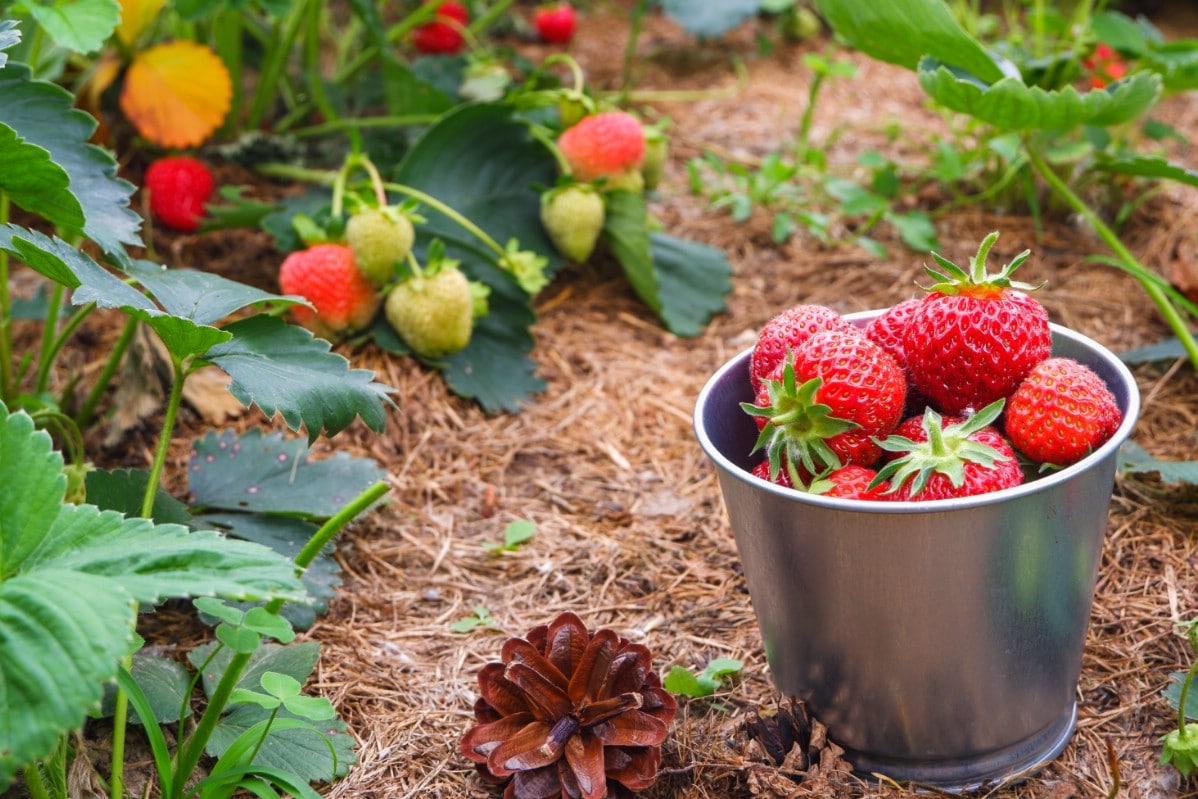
column 951, row 394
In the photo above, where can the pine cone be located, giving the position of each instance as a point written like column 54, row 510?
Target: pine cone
column 569, row 714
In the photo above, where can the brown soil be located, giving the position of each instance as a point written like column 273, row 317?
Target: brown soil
column 631, row 530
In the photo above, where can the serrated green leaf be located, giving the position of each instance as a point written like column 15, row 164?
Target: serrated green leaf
column 202, row 297
column 904, row 31
column 42, row 114
column 122, row 490
column 34, row 182
column 81, row 26
column 284, row 369
column 627, row 234
column 269, row 473
column 164, row 682
column 1013, row 105
column 183, row 338
column 1149, row 167
column 694, row 280
column 63, row 635
column 709, row 18
column 34, row 487
column 62, row 263
column 1177, row 63
column 1134, row 459
column 9, row 37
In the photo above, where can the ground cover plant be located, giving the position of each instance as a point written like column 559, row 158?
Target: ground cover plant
column 548, row 466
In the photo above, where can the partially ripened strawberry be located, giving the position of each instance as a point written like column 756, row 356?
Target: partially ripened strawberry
column 786, row 331
column 179, row 188
column 849, row 482
column 433, row 312
column 1061, row 413
column 963, row 459
column 833, row 396
column 555, row 22
column 380, row 238
column 573, row 216
column 327, row 276
column 975, row 336
column 609, row 145
column 442, row 36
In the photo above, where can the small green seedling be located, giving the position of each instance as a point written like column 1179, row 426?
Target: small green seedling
column 514, row 535
column 481, row 618
column 682, row 681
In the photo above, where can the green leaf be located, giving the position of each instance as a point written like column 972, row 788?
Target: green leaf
column 1134, row 459
column 304, row 750
column 36, row 183
column 9, row 37
column 916, row 229
column 63, row 635
column 268, row 473
column 203, row 297
column 34, row 487
column 1177, row 64
column 709, row 18
column 1173, row 695
column 1166, row 350
column 81, row 26
column 165, row 683
column 1013, row 105
column 627, row 234
column 1149, row 167
column 42, row 114
column 241, row 696
column 904, row 31
column 482, row 162
column 284, row 369
column 681, row 681
column 122, row 490
column 55, row 259
column 694, row 279
column 295, row 660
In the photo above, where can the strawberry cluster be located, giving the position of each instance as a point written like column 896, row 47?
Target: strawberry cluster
column 950, row 394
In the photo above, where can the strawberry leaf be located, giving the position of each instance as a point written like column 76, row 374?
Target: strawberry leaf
column 42, row 114
column 81, row 26
column 694, row 280
column 36, row 183
column 1134, row 459
column 9, row 37
column 202, row 297
column 284, row 369
column 1013, row 105
column 710, row 19
column 1148, row 167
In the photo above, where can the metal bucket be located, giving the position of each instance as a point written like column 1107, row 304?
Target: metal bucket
column 940, row 642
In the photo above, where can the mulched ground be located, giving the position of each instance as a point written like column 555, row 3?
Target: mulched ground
column 631, row 532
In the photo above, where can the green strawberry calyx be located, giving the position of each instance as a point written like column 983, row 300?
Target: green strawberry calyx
column 947, row 450
column 1181, row 749
column 526, row 266
column 797, row 425
column 952, row 279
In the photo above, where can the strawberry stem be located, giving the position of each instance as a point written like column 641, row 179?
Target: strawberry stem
column 448, row 211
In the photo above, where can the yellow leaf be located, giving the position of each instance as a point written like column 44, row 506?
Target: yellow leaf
column 136, row 16
column 176, row 94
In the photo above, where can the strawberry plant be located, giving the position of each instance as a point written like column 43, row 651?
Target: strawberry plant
column 1028, row 92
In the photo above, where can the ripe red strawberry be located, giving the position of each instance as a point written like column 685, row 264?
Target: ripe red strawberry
column 833, row 396
column 609, row 145
column 327, row 276
column 1061, row 412
column 889, row 328
column 443, row 35
column 975, row 336
column 554, row 23
column 785, row 332
column 781, row 477
column 963, row 459
column 849, row 482
column 1105, row 66
column 179, row 188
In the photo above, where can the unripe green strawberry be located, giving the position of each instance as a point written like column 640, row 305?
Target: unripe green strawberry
column 573, row 216
column 380, row 238
column 433, row 313
column 654, row 165
column 77, row 482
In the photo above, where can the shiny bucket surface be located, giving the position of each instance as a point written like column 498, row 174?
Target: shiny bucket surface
column 940, row 642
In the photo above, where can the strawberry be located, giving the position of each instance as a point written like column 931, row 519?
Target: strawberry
column 975, row 336
column 554, row 23
column 179, row 188
column 327, row 276
column 380, row 238
column 657, row 147
column 444, row 34
column 849, row 482
column 573, row 216
column 888, row 328
column 833, row 396
column 608, row 145
column 786, row 331
column 782, row 477
column 433, row 311
column 1061, row 412
column 961, row 459
column 1105, row 66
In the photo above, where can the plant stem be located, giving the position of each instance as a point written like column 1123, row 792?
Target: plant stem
column 50, row 354
column 34, row 784
column 273, row 65
column 634, row 33
column 5, row 313
column 1170, row 313
column 333, row 526
column 452, row 213
column 83, row 417
column 1181, row 704
column 170, row 413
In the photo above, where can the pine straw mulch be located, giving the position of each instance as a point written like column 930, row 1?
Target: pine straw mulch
column 630, row 529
